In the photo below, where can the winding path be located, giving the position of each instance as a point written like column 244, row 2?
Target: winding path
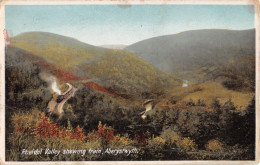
column 55, row 107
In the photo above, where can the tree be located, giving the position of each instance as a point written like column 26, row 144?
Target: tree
column 247, row 125
column 215, row 104
column 227, row 122
column 201, row 103
column 190, row 103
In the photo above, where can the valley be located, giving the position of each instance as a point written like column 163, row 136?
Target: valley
column 199, row 87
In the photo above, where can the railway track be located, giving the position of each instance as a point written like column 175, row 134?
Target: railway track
column 56, row 106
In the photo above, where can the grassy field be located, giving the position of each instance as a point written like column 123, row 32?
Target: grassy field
column 207, row 91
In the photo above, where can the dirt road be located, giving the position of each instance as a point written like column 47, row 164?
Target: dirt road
column 56, row 106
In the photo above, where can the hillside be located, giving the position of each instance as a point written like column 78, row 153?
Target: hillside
column 206, row 92
column 195, row 55
column 116, row 70
column 44, row 67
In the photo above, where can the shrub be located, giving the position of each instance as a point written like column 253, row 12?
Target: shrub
column 156, row 143
column 25, row 122
column 186, row 144
column 123, row 141
column 201, row 103
column 47, row 129
column 190, row 103
column 171, row 137
column 175, row 140
column 154, row 148
column 233, row 84
column 141, row 139
column 105, row 132
column 215, row 145
column 215, row 104
column 34, row 131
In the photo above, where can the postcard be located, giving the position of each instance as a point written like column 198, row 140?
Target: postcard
column 131, row 82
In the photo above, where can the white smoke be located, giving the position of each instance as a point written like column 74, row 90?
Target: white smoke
column 52, row 82
column 55, row 87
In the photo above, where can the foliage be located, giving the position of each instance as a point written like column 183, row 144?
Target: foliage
column 47, row 129
column 90, row 107
column 190, row 103
column 25, row 122
column 215, row 104
column 142, row 139
column 183, row 139
column 240, row 72
column 174, row 140
column 24, row 87
column 187, row 144
column 104, row 133
column 215, row 145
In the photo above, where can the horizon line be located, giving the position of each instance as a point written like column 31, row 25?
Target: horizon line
column 123, row 43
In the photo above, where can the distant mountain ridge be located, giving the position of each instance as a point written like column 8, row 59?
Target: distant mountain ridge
column 196, row 50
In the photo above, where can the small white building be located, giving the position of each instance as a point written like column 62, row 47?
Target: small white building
column 185, row 83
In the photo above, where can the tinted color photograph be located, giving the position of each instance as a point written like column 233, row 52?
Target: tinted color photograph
column 129, row 82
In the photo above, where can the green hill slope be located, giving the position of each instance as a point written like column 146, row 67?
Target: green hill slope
column 196, row 55
column 117, row 70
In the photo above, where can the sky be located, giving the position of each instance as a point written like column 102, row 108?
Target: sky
column 118, row 24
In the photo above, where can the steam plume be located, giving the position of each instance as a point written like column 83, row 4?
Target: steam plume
column 52, row 82
column 54, row 86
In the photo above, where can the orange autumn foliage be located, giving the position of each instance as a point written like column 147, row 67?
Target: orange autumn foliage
column 47, row 129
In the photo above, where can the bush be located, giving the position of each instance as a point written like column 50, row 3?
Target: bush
column 172, row 139
column 201, row 103
column 186, row 144
column 105, row 132
column 215, row 104
column 154, row 149
column 232, row 84
column 25, row 122
column 122, row 142
column 215, row 145
column 190, row 103
column 34, row 131
column 47, row 129
column 156, row 143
